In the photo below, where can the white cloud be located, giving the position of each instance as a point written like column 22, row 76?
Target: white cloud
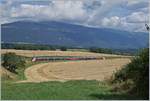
column 112, row 21
column 137, row 17
column 134, row 2
column 59, row 10
column 133, row 22
column 103, row 10
column 85, row 12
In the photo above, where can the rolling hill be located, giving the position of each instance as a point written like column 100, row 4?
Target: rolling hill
column 59, row 33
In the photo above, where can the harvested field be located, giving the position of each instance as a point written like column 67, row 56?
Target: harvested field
column 71, row 70
column 31, row 53
column 74, row 70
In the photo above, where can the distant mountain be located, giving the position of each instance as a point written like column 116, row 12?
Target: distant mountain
column 59, row 33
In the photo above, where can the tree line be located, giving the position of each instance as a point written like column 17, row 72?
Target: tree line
column 64, row 48
column 27, row 46
column 114, row 51
column 32, row 47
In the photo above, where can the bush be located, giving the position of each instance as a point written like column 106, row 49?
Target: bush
column 138, row 72
column 63, row 49
column 100, row 50
column 12, row 62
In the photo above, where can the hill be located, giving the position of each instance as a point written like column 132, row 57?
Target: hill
column 59, row 33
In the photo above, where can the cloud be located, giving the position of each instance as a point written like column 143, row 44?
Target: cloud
column 56, row 10
column 112, row 21
column 118, row 14
column 137, row 17
column 134, row 22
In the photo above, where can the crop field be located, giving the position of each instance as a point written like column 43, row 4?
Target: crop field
column 74, row 70
column 71, row 70
column 31, row 53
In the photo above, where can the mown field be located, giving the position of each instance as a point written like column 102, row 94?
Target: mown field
column 74, row 70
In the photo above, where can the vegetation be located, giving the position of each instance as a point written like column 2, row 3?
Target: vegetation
column 19, row 72
column 20, row 75
column 135, row 76
column 83, row 90
column 12, row 62
column 23, row 46
column 114, row 51
column 27, row 46
column 101, row 50
column 125, row 51
column 131, row 79
column 63, row 49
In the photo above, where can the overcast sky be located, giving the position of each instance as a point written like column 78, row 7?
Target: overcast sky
column 128, row 15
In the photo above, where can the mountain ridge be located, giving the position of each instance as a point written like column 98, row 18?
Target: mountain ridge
column 60, row 33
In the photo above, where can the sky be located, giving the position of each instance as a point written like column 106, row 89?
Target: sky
column 130, row 15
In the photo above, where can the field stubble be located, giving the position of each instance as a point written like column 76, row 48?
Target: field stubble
column 74, row 70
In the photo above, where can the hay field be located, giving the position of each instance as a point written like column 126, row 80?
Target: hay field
column 31, row 53
column 74, row 70
column 71, row 70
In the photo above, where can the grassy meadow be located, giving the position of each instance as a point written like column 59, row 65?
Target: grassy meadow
column 71, row 90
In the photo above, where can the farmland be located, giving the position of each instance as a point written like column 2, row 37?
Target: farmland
column 31, row 53
column 71, row 70
column 74, row 70
column 65, row 79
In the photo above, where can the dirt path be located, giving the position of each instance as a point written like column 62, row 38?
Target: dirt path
column 74, row 70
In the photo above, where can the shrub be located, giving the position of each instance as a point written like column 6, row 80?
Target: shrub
column 138, row 72
column 100, row 50
column 12, row 62
column 63, row 49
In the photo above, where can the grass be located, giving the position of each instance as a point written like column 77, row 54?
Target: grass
column 20, row 75
column 20, row 71
column 78, row 50
column 71, row 90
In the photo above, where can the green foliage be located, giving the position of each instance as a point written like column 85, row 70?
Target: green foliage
column 63, row 49
column 101, row 50
column 23, row 46
column 12, row 62
column 27, row 46
column 138, row 72
column 114, row 51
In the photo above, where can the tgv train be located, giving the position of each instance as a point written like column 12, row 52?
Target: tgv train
column 57, row 58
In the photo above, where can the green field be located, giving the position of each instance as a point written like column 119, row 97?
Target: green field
column 70, row 90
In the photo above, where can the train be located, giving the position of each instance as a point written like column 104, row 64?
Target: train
column 68, row 58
